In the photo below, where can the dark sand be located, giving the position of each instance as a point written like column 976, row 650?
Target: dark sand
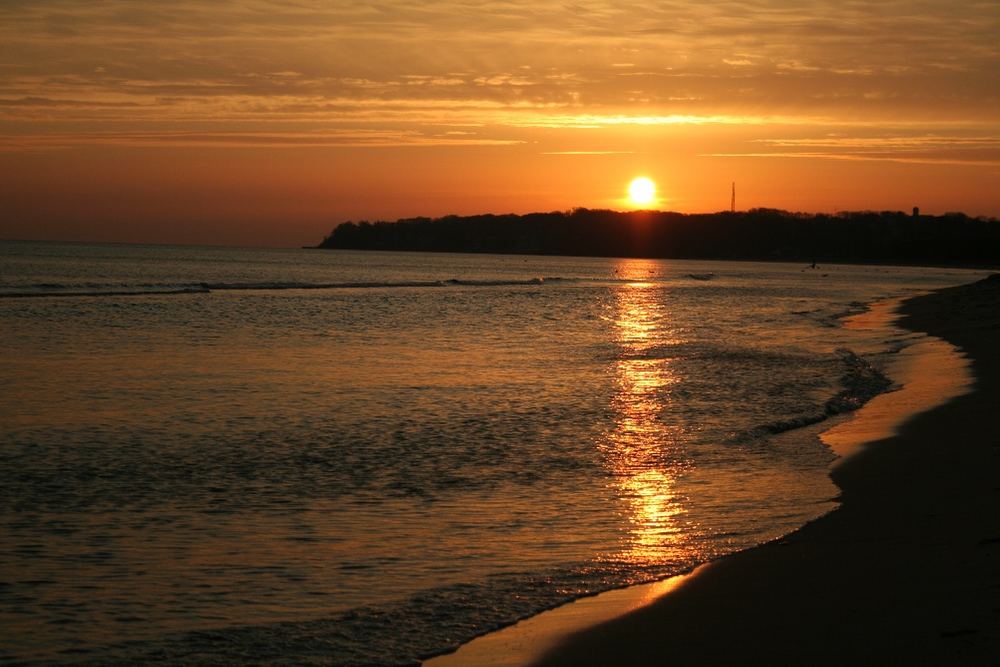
column 906, row 571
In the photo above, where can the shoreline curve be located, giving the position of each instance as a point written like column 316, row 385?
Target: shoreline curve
column 615, row 627
column 903, row 572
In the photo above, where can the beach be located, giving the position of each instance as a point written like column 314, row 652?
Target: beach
column 903, row 572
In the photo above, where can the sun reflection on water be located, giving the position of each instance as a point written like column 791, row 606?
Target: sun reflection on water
column 643, row 450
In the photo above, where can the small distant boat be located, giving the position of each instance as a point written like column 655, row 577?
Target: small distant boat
column 701, row 276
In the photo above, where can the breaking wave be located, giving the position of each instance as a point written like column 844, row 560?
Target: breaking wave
column 92, row 289
column 861, row 382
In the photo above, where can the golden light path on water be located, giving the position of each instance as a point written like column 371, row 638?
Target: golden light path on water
column 643, row 451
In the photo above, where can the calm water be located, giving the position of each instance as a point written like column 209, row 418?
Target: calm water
column 369, row 457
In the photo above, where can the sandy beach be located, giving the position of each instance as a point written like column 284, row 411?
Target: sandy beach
column 904, row 572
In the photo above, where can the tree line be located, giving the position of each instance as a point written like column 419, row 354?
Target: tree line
column 757, row 234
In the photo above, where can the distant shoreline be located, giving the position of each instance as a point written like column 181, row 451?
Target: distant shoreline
column 992, row 262
column 888, row 237
column 984, row 266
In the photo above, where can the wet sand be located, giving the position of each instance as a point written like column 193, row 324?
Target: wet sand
column 906, row 571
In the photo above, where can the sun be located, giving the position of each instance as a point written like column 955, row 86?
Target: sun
column 642, row 191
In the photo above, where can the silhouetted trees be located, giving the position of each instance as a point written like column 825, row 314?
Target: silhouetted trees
column 769, row 234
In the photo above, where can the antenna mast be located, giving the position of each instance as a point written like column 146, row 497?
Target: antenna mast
column 732, row 202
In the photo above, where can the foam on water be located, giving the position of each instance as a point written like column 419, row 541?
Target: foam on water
column 366, row 458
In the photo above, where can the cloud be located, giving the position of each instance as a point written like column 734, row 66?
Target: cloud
column 508, row 63
column 287, row 139
column 593, row 121
column 852, row 157
column 589, row 153
column 32, row 102
column 968, row 149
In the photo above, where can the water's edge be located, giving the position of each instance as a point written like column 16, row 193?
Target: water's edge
column 912, row 393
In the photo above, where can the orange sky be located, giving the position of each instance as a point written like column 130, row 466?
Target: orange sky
column 267, row 123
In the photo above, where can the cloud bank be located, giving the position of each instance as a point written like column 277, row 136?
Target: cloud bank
column 407, row 73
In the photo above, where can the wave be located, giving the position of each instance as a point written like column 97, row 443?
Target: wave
column 108, row 292
column 145, row 289
column 853, row 308
column 89, row 289
column 861, row 382
column 403, row 633
column 382, row 284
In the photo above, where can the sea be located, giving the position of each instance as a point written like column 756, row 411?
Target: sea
column 225, row 455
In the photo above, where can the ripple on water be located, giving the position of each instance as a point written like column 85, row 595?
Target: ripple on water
column 374, row 475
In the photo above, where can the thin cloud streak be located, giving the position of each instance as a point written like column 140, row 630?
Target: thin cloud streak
column 860, row 157
column 588, row 153
column 954, row 149
column 352, row 138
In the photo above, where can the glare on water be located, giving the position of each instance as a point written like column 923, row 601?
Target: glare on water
column 641, row 452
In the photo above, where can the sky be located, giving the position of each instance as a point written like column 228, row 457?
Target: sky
column 268, row 123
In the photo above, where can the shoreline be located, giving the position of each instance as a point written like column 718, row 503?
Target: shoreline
column 903, row 572
column 551, row 634
column 767, row 259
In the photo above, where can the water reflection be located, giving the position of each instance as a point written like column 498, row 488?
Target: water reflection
column 643, row 451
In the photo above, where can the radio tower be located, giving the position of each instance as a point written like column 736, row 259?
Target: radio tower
column 732, row 202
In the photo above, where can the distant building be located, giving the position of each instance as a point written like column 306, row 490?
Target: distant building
column 916, row 212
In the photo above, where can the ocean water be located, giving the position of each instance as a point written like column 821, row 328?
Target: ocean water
column 230, row 455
